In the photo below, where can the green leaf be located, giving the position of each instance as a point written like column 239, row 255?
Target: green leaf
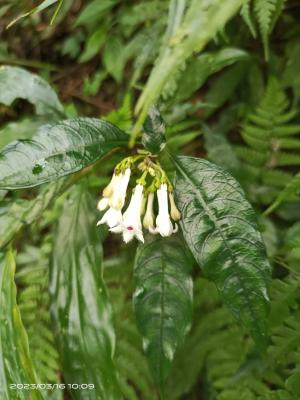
column 201, row 67
column 93, row 12
column 93, row 45
column 16, row 215
column 17, row 83
column 57, row 150
column 162, row 300
column 113, row 59
column 80, row 307
column 219, row 226
column 223, row 87
column 153, row 137
column 15, row 362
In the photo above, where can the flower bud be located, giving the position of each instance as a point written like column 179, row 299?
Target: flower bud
column 175, row 213
column 118, row 197
column 109, row 189
column 148, row 220
column 103, row 204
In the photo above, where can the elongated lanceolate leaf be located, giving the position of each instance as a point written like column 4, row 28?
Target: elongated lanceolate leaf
column 153, row 137
column 57, row 150
column 81, row 311
column 219, row 226
column 15, row 362
column 162, row 300
column 17, row 83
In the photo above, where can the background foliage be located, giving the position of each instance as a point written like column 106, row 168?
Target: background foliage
column 225, row 77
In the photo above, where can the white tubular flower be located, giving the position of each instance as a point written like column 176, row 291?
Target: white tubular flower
column 131, row 225
column 112, row 218
column 113, row 184
column 148, row 221
column 103, row 204
column 163, row 222
column 118, row 197
column 175, row 213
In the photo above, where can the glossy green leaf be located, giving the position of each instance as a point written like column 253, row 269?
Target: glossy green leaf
column 80, row 307
column 162, row 300
column 57, row 150
column 153, row 137
column 15, row 362
column 219, row 226
column 17, row 83
column 15, row 215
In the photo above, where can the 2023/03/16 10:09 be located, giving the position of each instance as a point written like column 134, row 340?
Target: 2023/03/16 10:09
column 52, row 386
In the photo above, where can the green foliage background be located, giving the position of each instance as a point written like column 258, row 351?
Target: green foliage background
column 225, row 76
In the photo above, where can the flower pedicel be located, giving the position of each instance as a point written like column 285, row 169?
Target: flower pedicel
column 153, row 180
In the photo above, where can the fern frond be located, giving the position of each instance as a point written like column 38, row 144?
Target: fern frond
column 285, row 296
column 290, row 192
column 286, row 338
column 267, row 12
column 267, row 134
column 247, row 17
column 33, row 299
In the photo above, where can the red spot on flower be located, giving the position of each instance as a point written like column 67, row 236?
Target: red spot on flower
column 129, row 228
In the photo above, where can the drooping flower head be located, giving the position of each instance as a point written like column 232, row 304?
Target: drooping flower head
column 153, row 179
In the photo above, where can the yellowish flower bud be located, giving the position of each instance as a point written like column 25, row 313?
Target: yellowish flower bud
column 174, row 212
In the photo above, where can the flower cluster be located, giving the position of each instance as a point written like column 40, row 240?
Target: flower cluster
column 142, row 201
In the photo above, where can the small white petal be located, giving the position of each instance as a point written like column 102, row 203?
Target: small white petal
column 112, row 218
column 128, row 235
column 102, row 204
column 140, row 236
